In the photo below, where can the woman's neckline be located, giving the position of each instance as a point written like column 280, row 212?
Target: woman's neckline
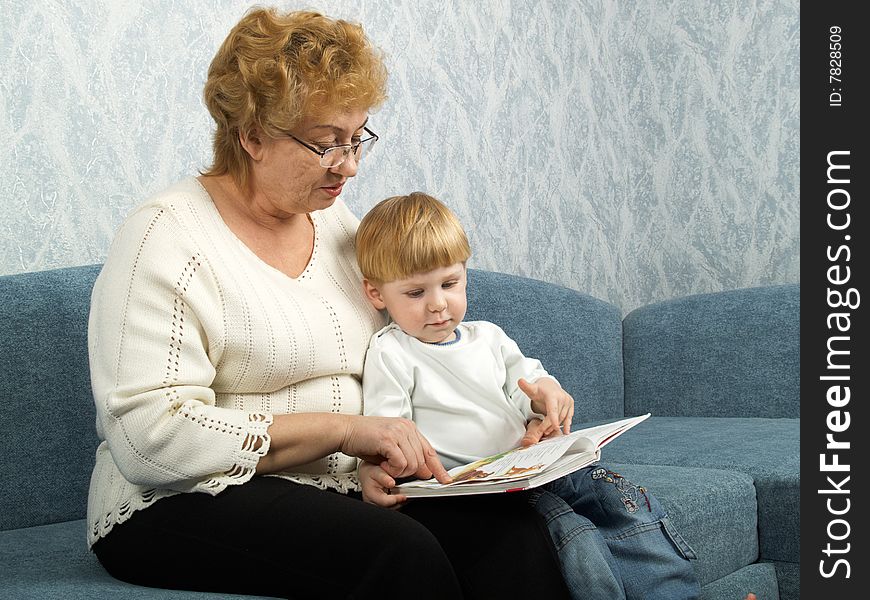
column 304, row 273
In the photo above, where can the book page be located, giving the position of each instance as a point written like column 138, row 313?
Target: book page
column 517, row 463
column 601, row 435
column 523, row 463
column 514, row 464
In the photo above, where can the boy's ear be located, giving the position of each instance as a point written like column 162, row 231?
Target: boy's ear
column 373, row 294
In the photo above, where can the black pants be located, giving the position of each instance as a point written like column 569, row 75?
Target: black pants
column 272, row 537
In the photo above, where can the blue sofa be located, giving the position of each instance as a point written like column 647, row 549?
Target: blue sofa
column 719, row 373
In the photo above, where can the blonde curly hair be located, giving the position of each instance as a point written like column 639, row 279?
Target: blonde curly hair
column 275, row 69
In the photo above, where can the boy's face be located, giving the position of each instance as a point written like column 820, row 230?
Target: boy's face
column 428, row 306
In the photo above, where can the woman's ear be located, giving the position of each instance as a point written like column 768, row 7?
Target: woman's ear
column 252, row 142
column 374, row 295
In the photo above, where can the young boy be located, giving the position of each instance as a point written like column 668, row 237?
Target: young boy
column 472, row 393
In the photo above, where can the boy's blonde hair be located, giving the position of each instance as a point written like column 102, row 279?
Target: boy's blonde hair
column 405, row 235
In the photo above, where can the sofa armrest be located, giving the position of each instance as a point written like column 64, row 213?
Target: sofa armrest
column 734, row 353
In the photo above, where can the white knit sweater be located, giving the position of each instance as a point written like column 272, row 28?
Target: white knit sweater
column 195, row 343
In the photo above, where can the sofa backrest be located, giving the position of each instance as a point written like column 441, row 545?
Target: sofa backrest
column 47, row 427
column 576, row 337
column 734, row 353
column 47, row 419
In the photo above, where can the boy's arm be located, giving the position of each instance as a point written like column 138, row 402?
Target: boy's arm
column 533, row 390
column 387, row 384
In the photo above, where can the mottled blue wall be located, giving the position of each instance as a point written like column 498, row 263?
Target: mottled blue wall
column 636, row 151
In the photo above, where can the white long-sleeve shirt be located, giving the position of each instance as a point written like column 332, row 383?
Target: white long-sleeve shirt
column 462, row 395
column 195, row 343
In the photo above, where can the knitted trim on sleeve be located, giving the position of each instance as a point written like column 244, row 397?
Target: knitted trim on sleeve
column 254, row 447
column 340, row 482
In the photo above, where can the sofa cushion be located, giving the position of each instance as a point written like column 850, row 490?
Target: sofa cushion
column 52, row 562
column 727, row 354
column 576, row 337
column 46, row 406
column 765, row 449
column 714, row 510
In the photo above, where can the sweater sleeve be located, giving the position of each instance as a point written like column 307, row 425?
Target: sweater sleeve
column 387, row 382
column 152, row 358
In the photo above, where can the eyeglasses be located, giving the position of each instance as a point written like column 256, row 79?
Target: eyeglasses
column 335, row 155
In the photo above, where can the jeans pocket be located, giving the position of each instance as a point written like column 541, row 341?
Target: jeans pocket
column 678, row 540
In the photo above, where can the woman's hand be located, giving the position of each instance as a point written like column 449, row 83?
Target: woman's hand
column 376, row 485
column 395, row 444
column 549, row 399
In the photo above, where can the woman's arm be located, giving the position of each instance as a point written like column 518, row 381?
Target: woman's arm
column 152, row 362
column 393, row 443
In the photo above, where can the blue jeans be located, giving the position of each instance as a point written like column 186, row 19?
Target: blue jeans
column 613, row 539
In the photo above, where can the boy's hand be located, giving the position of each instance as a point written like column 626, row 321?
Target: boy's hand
column 376, row 485
column 549, row 399
column 535, row 433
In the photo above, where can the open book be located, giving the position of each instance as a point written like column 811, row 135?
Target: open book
column 523, row 468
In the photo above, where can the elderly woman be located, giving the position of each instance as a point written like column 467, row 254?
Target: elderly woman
column 227, row 336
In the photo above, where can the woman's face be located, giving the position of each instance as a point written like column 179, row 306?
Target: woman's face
column 288, row 176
